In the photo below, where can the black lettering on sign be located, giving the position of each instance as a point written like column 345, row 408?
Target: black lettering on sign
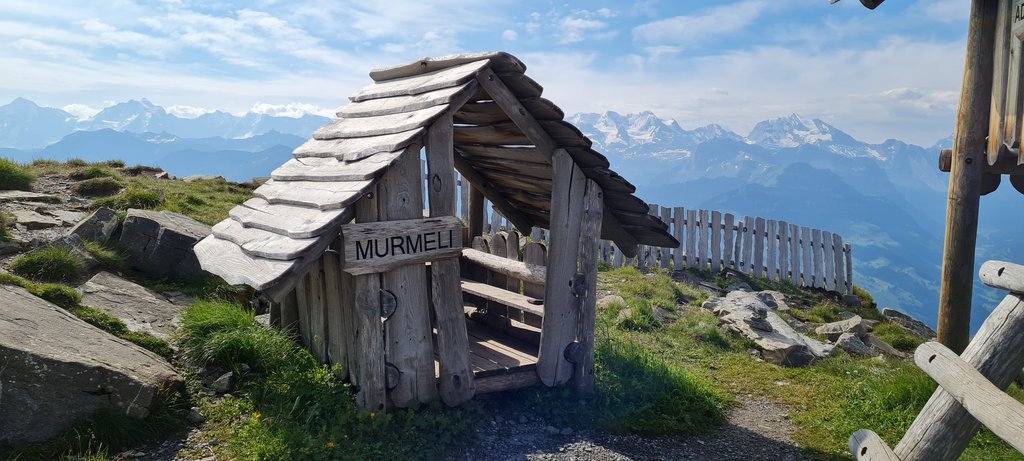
column 403, row 245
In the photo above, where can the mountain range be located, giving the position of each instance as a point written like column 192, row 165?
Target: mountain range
column 887, row 200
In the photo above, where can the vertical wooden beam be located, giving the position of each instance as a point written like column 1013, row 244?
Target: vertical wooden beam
column 730, row 234
column 748, row 245
column 678, row 224
column 848, row 251
column 303, row 302
column 806, row 258
column 819, row 258
column 716, row 241
column 837, row 246
column 476, row 211
column 337, row 352
column 704, row 229
column 590, row 232
column 409, row 336
column 290, row 313
column 691, row 239
column 783, row 251
column 969, row 158
column 759, row 235
column 317, row 312
column 560, row 306
column 794, row 254
column 666, row 253
column 827, row 254
column 773, row 248
column 368, row 362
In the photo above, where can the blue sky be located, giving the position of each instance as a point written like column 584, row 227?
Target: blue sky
column 889, row 73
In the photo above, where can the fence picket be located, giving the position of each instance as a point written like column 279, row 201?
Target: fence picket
column 691, row 237
column 677, row 231
column 837, row 247
column 716, row 241
column 703, row 229
column 748, row 244
column 783, row 251
column 806, row 269
column 772, row 232
column 827, row 254
column 794, row 254
column 737, row 244
column 819, row 260
column 848, row 252
column 666, row 254
column 758, row 247
column 727, row 230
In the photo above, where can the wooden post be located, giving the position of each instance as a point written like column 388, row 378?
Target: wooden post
column 666, row 253
column 837, row 248
column 773, row 248
column 848, row 251
column 335, row 309
column 969, row 158
column 759, row 225
column 560, row 314
column 590, row 232
column 794, row 254
column 827, row 254
column 727, row 259
column 783, row 251
column 476, row 211
column 409, row 337
column 748, row 245
column 704, row 230
column 691, row 238
column 456, row 376
column 369, row 331
column 806, row 258
column 678, row 224
column 290, row 313
column 819, row 259
column 716, row 241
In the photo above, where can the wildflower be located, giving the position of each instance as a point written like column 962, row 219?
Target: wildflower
column 330, row 444
column 256, row 415
column 373, row 413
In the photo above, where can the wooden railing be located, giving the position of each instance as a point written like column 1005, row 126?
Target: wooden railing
column 712, row 240
column 971, row 384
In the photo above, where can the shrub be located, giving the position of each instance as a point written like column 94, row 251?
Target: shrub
column 117, row 163
column 57, row 264
column 131, row 198
column 61, row 295
column 97, row 186
column 92, row 172
column 14, row 176
column 76, row 162
column 45, row 162
column 222, row 334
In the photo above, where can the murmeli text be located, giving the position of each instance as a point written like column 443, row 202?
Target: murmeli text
column 403, row 244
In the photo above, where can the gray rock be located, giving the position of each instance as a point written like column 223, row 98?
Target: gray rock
column 194, row 416
column 7, row 248
column 74, row 243
column 742, row 286
column 32, row 220
column 163, row 175
column 852, row 344
column 870, row 325
column 852, row 300
column 23, row 196
column 833, row 330
column 744, row 313
column 881, row 347
column 773, row 299
column 140, row 309
column 224, row 383
column 58, row 369
column 610, row 300
column 98, row 226
column 200, row 177
column 914, row 326
column 847, row 315
column 160, row 242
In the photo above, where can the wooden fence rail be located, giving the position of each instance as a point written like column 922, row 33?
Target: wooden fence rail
column 713, row 240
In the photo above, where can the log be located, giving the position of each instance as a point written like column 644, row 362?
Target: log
column 488, row 112
column 529, row 273
column 1000, row 413
column 868, row 446
column 944, row 428
column 1003, row 275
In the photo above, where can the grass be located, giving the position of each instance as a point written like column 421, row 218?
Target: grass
column 14, row 176
column 6, row 221
column 53, row 264
column 97, row 186
column 109, row 256
column 897, row 337
column 92, row 172
column 131, row 198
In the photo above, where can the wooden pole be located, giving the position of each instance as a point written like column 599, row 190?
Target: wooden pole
column 969, row 158
column 590, row 233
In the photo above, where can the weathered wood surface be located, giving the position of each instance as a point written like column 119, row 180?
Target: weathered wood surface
column 590, row 233
column 729, row 242
column 530, row 273
column 311, row 194
column 807, row 258
column 406, row 103
column 784, row 251
column 369, row 330
column 716, row 241
column 1000, row 413
column 315, row 300
column 830, row 270
column 288, row 220
column 794, row 254
column 290, row 313
column 330, row 169
column 455, row 378
column 704, row 243
column 362, row 127
column 338, row 300
column 488, row 112
column 382, row 246
column 666, row 252
column 819, row 259
column 840, row 268
column 499, row 61
column 944, row 428
column 868, row 446
column 536, row 170
column 504, row 297
column 691, row 239
column 1000, row 73
column 224, row 257
column 518, row 153
column 421, row 83
column 261, row 243
column 678, row 227
column 1003, row 275
column 773, row 247
column 559, row 329
column 353, row 149
column 758, row 242
column 748, row 245
column 486, row 189
column 521, row 84
column 303, row 302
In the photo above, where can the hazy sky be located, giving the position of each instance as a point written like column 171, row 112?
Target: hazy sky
column 889, row 73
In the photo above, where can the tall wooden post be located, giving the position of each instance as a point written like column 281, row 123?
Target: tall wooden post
column 969, row 156
column 590, row 235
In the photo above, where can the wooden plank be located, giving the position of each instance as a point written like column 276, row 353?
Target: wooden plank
column 703, row 239
column 500, row 61
column 512, row 252
column 455, row 376
column 729, row 232
column 868, row 446
column 590, row 232
column 666, row 252
column 488, row 112
column 759, row 234
column 652, row 252
column 536, row 170
column 290, row 313
column 837, row 254
column 794, row 254
column 324, row 196
column 849, row 268
column 261, row 243
column 1003, row 275
column 292, row 221
column 560, row 318
column 517, row 153
column 379, row 125
column 406, row 103
column 1000, row 413
column 747, row 264
column 303, row 301
column 737, row 249
column 504, row 297
column 535, row 253
column 409, row 344
column 353, row 149
column 679, row 223
column 329, row 169
column 421, row 83
column 527, row 272
column 624, row 204
column 818, row 256
column 514, row 379
column 772, row 232
column 486, row 189
column 609, row 180
column 521, row 85
column 227, row 260
column 828, row 254
column 381, row 246
column 807, row 258
column 368, row 354
column 783, row 251
column 317, row 312
column 340, row 312
column 943, row 428
column 691, row 239
column 499, row 249
column 716, row 241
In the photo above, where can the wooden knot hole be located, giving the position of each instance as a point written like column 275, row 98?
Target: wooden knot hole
column 522, row 111
column 968, row 160
column 423, row 63
column 863, row 451
column 999, row 273
column 490, row 78
column 931, row 358
column 435, row 182
column 457, row 381
column 369, row 195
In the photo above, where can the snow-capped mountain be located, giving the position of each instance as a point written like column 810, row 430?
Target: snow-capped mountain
column 23, row 124
column 645, row 134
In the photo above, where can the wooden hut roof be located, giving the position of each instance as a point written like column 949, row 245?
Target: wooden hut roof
column 296, row 214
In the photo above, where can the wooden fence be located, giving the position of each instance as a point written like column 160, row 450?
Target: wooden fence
column 712, row 240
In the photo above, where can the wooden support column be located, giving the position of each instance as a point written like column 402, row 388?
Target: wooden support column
column 590, row 234
column 969, row 159
column 409, row 345
column 560, row 304
column 290, row 313
column 456, row 376
column 368, row 355
column 475, row 212
column 338, row 308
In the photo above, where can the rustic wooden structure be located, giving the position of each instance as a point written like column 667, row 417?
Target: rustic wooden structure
column 971, row 385
column 387, row 296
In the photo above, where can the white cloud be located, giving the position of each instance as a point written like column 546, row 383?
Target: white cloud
column 575, row 29
column 944, row 10
column 187, row 111
column 294, row 110
column 509, row 35
column 81, row 111
column 710, row 23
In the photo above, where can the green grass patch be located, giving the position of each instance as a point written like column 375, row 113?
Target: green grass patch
column 109, row 256
column 11, row 279
column 61, row 295
column 92, row 172
column 14, row 176
column 217, row 333
column 131, row 198
column 6, row 221
column 116, row 163
column 97, row 186
column 116, row 327
column 897, row 337
column 52, row 264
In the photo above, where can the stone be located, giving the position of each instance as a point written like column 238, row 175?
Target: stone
column 67, row 218
column 142, row 310
column 33, row 220
column 833, row 330
column 746, row 314
column 98, row 226
column 773, row 299
column 194, row 416
column 58, row 369
column 200, row 177
column 852, row 301
column 851, row 343
column 163, row 175
column 914, row 326
column 7, row 248
column 610, row 300
column 24, row 196
column 869, row 325
column 846, row 315
column 74, row 243
column 883, row 348
column 742, row 286
column 160, row 242
column 223, row 383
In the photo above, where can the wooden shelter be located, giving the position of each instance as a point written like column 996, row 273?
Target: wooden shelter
column 337, row 238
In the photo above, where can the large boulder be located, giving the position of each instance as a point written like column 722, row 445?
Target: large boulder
column 914, row 326
column 746, row 314
column 834, row 330
column 160, row 242
column 57, row 369
column 140, row 309
column 98, row 226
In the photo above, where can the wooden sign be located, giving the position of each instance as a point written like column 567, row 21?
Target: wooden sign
column 381, row 246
